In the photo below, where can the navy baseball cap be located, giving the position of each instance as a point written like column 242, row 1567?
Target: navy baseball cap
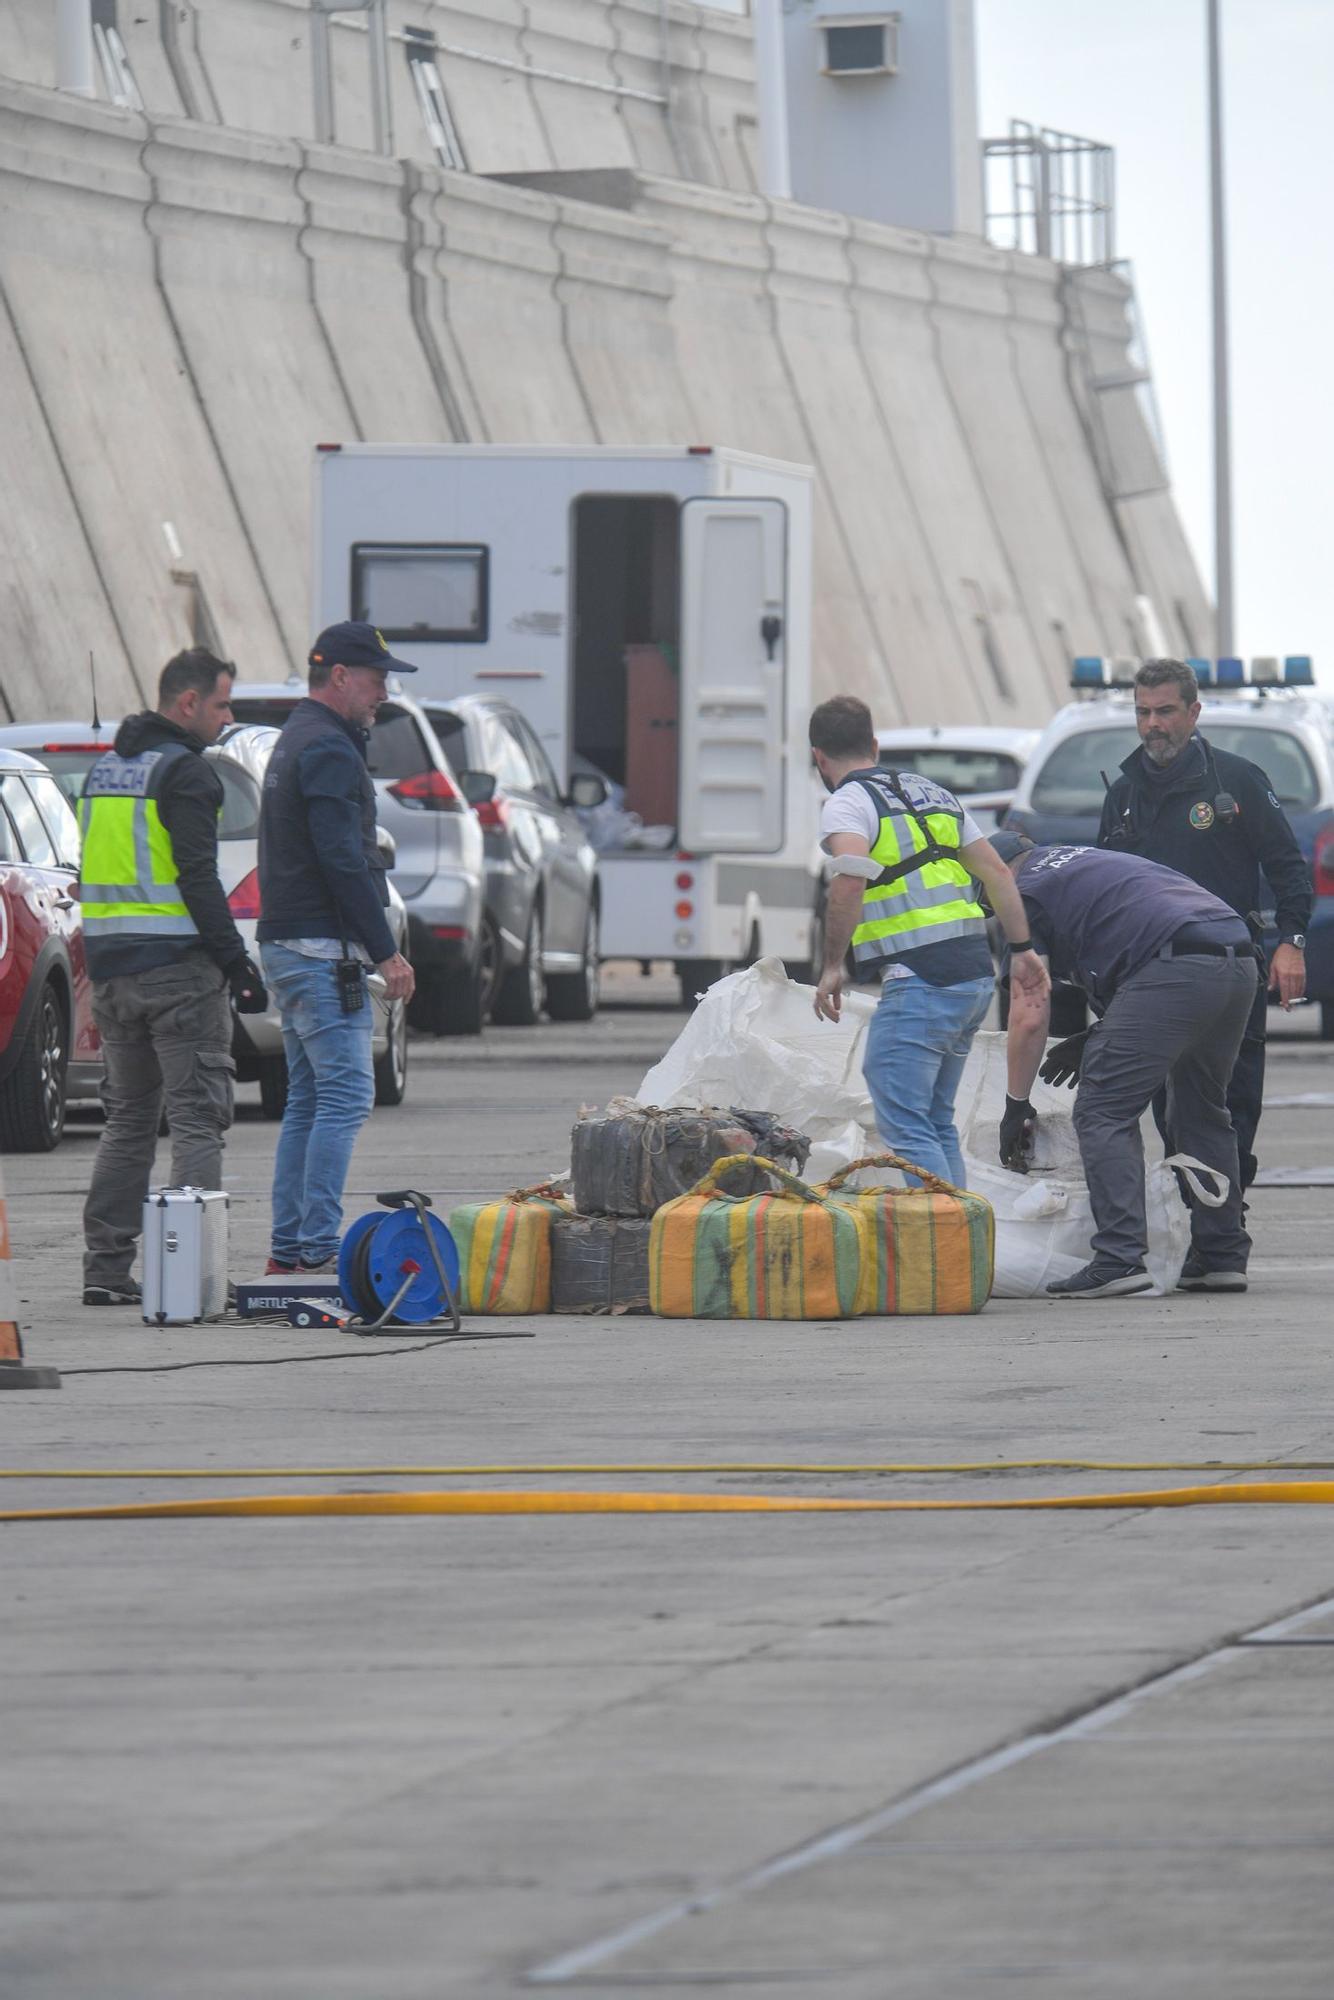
column 353, row 644
column 1009, row 846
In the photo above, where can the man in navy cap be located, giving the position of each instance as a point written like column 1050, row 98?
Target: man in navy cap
column 324, row 895
column 1172, row 971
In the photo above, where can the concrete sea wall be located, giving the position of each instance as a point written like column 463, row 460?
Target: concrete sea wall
column 193, row 295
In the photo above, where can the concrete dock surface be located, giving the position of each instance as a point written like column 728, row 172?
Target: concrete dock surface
column 1066, row 1754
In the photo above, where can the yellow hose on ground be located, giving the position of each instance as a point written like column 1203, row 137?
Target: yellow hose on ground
column 715, row 1466
column 1310, row 1492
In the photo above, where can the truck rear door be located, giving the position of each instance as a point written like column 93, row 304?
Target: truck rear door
column 733, row 675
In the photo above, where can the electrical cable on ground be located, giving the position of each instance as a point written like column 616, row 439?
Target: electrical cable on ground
column 287, row 1360
column 279, row 1506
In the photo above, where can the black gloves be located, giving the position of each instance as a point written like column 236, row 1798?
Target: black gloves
column 249, row 994
column 1063, row 1060
column 1017, row 1132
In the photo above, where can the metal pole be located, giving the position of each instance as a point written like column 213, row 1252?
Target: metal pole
column 1222, row 411
column 771, row 89
column 321, row 63
column 74, row 47
column 381, row 112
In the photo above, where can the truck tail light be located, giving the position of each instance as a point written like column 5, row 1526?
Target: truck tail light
column 432, row 791
column 494, row 814
column 244, row 899
column 1322, row 862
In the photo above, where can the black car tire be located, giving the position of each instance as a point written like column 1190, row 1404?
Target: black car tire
column 522, row 993
column 272, row 1086
column 573, row 996
column 391, row 1069
column 32, row 1096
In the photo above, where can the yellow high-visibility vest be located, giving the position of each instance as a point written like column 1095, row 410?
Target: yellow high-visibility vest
column 913, row 901
column 129, row 883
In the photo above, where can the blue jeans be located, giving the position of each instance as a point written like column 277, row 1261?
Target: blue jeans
column 916, row 1047
column 330, row 1090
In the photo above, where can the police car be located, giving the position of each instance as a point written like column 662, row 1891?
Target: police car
column 1273, row 716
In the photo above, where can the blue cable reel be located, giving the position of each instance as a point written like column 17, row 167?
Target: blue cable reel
column 401, row 1269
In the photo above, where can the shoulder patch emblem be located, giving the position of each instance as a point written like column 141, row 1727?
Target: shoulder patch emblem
column 1202, row 816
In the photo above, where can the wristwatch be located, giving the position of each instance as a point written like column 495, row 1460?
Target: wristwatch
column 1298, row 938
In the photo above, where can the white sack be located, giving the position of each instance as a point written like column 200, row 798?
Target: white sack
column 754, row 1041
column 1044, row 1221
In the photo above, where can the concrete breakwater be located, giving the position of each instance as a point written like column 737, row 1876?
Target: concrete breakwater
column 187, row 308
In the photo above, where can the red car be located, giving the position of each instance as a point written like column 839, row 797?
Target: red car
column 49, row 1047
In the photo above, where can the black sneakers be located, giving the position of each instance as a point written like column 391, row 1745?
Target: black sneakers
column 1197, row 1276
column 121, row 1292
column 1104, row 1281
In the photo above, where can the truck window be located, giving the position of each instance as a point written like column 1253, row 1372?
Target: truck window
column 422, row 590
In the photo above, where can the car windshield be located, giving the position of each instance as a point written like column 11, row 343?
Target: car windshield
column 959, row 771
column 1071, row 780
column 240, row 799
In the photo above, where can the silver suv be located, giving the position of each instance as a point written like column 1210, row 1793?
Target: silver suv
column 439, row 869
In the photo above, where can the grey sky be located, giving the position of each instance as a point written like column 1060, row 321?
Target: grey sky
column 1132, row 72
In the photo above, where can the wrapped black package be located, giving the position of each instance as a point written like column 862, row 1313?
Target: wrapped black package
column 631, row 1158
column 599, row 1264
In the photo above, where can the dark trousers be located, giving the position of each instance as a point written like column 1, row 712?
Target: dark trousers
column 1245, row 1093
column 166, row 1035
column 1176, row 1024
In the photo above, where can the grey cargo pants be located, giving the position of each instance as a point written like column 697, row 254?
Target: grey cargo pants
column 1178, row 1022
column 168, row 1033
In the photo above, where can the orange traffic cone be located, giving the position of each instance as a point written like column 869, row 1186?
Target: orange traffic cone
column 15, row 1372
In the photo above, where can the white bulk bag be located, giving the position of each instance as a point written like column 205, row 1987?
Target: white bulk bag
column 1044, row 1221
column 754, row 1041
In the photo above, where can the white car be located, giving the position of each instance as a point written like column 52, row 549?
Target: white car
column 981, row 766
column 70, row 749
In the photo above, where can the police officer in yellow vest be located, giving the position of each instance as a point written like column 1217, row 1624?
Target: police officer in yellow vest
column 906, row 860
column 165, row 958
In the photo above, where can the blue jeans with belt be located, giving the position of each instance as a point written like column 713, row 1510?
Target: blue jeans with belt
column 330, row 1091
column 916, row 1047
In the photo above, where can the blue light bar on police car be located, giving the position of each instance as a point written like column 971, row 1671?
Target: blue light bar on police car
column 1264, row 671
column 1297, row 671
column 1203, row 671
column 1088, row 672
column 1231, row 673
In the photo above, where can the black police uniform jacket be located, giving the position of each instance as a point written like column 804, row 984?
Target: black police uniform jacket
column 1175, row 822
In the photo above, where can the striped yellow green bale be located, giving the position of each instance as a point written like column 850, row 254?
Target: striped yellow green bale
column 926, row 1250
column 787, row 1255
column 505, row 1251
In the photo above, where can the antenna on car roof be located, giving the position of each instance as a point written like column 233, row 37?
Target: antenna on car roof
column 92, row 675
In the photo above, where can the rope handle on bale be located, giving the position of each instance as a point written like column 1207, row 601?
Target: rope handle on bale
column 1191, row 1170
column 788, row 1183
column 545, row 1190
column 932, row 1182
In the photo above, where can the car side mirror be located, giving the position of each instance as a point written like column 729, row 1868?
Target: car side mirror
column 588, row 791
column 477, row 787
column 386, row 846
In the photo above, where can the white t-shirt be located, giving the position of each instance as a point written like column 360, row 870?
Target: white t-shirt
column 851, row 810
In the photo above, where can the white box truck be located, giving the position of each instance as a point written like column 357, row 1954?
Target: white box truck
column 649, row 612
